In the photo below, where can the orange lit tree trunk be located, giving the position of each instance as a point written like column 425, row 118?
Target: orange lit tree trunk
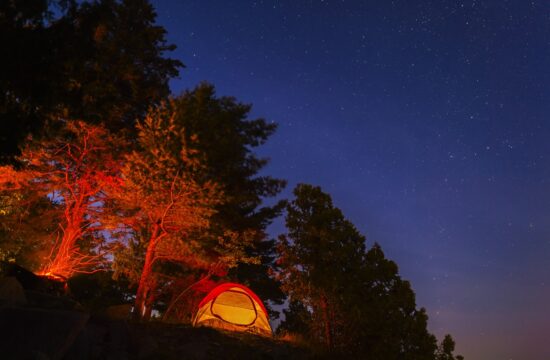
column 150, row 300
column 145, row 281
column 68, row 259
column 164, row 196
column 73, row 171
column 150, row 297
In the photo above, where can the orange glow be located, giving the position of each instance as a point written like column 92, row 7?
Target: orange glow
column 74, row 173
column 68, row 260
column 53, row 276
column 233, row 307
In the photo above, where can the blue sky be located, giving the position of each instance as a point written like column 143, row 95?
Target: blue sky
column 428, row 124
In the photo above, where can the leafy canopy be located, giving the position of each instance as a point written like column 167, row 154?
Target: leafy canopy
column 100, row 61
column 64, row 179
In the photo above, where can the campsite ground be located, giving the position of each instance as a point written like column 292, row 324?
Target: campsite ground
column 167, row 341
column 68, row 334
column 39, row 321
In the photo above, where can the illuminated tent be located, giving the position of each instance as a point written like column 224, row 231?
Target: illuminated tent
column 233, row 307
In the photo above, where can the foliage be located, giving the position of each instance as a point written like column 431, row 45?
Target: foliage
column 166, row 205
column 260, row 275
column 26, row 224
column 351, row 300
column 68, row 175
column 227, row 139
column 95, row 292
column 446, row 349
column 187, row 203
column 382, row 313
column 99, row 61
column 187, row 290
column 320, row 252
column 297, row 320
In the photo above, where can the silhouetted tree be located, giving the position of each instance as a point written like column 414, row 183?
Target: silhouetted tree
column 317, row 257
column 297, row 319
column 99, row 61
column 446, row 349
column 381, row 313
column 351, row 300
column 96, row 292
column 227, row 138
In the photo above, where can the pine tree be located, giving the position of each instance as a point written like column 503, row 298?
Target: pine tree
column 228, row 138
column 351, row 300
column 321, row 250
column 446, row 349
column 382, row 315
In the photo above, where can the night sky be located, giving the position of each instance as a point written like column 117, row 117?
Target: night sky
column 427, row 122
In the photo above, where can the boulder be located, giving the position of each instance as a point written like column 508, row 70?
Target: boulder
column 11, row 291
column 47, row 301
column 119, row 312
column 27, row 331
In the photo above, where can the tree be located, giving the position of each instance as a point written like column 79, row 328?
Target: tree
column 351, row 300
column 166, row 205
column 228, row 138
column 381, row 313
column 98, row 61
column 71, row 173
column 96, row 292
column 320, row 252
column 297, row 319
column 27, row 222
column 446, row 349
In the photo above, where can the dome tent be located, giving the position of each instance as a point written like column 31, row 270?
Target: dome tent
column 234, row 307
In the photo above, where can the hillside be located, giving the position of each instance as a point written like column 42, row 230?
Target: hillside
column 33, row 333
column 39, row 323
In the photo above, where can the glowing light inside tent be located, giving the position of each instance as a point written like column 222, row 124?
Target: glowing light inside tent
column 233, row 307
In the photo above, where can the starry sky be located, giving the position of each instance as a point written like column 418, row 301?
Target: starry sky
column 427, row 122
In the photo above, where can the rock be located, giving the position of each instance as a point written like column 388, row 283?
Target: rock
column 36, row 355
column 11, row 291
column 40, row 331
column 26, row 278
column 119, row 312
column 53, row 285
column 147, row 347
column 47, row 301
column 102, row 339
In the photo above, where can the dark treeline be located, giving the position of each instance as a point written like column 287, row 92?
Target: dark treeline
column 110, row 181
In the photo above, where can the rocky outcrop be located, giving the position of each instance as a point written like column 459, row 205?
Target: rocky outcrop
column 30, row 332
column 11, row 292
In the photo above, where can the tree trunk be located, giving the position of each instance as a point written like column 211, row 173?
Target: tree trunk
column 148, row 306
column 327, row 322
column 144, row 280
column 64, row 263
column 150, row 298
